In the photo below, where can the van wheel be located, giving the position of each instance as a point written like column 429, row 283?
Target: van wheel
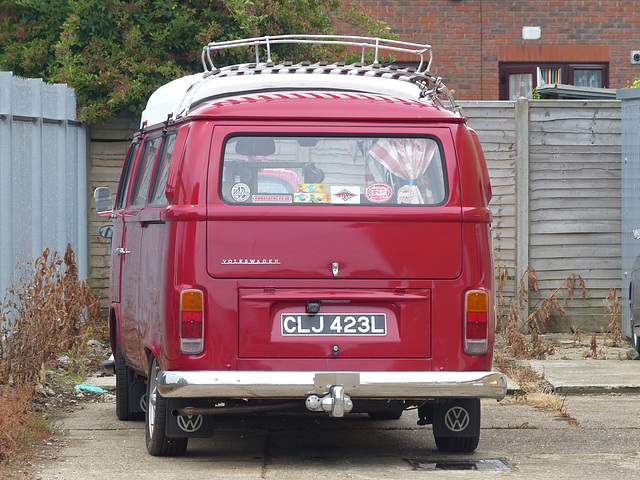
column 457, row 444
column 158, row 444
column 124, row 379
column 635, row 341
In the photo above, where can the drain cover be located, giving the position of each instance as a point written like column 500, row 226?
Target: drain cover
column 480, row 465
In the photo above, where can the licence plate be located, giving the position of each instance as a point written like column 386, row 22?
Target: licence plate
column 333, row 324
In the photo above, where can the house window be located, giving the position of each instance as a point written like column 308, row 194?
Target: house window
column 549, row 75
column 518, row 79
column 587, row 77
column 520, row 85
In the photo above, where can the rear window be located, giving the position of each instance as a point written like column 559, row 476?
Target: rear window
column 336, row 170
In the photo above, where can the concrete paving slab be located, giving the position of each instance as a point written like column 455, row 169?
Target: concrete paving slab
column 601, row 412
column 574, row 377
column 107, row 382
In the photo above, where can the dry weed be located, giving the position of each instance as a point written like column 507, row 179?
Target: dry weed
column 594, row 346
column 551, row 402
column 503, row 277
column 577, row 338
column 541, row 314
column 518, row 317
column 19, row 428
column 48, row 310
column 526, row 377
column 533, row 389
column 613, row 337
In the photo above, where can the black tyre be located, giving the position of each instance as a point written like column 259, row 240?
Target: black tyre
column 457, row 444
column 124, row 379
column 158, row 443
column 635, row 341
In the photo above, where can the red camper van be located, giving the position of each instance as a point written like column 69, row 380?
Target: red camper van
column 303, row 236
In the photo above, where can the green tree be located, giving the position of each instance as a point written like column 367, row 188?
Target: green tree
column 116, row 53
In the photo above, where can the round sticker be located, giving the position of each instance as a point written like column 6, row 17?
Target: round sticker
column 378, row 192
column 240, row 192
column 405, row 194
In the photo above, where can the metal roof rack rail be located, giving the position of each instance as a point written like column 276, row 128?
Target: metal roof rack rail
column 430, row 87
column 366, row 44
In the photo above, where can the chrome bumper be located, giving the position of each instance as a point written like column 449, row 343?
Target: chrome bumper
column 400, row 385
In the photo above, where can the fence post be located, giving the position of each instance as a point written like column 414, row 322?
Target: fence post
column 6, row 156
column 630, row 160
column 522, row 190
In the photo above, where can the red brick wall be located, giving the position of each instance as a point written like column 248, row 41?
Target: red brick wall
column 470, row 37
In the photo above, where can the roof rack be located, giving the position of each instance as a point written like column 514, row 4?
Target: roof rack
column 178, row 97
column 429, row 86
column 366, row 44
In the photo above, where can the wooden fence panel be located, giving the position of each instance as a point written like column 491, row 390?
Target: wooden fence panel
column 494, row 122
column 575, row 203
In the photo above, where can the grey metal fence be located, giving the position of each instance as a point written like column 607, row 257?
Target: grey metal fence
column 630, row 191
column 43, row 174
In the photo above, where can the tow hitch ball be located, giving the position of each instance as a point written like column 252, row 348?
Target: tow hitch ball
column 336, row 402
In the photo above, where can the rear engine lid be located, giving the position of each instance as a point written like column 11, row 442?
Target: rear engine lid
column 331, row 247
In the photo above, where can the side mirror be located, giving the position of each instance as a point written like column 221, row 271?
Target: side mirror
column 103, row 201
column 106, row 231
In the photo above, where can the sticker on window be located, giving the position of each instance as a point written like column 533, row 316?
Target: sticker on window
column 408, row 194
column 240, row 192
column 378, row 192
column 345, row 194
column 305, row 197
column 312, row 188
column 272, row 198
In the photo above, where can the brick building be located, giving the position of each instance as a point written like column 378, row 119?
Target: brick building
column 501, row 49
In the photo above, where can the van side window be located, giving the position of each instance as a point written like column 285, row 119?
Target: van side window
column 121, row 197
column 338, row 170
column 158, row 187
column 144, row 173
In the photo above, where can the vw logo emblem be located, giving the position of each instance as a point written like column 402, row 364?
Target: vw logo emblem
column 456, row 419
column 190, row 423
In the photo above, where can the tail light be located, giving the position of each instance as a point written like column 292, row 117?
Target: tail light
column 191, row 322
column 476, row 331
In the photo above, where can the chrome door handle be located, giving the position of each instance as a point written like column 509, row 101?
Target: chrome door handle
column 122, row 251
column 636, row 233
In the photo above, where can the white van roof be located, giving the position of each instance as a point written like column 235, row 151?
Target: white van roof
column 174, row 100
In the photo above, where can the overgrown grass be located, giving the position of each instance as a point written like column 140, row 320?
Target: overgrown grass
column 47, row 311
